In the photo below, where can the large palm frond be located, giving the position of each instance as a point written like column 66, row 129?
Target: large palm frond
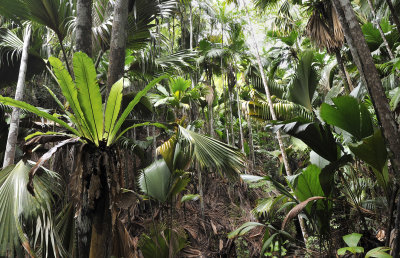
column 21, row 213
column 55, row 14
column 212, row 153
column 284, row 110
column 304, row 81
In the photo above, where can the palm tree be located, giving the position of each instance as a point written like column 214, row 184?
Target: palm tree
column 97, row 135
column 87, row 117
column 19, row 94
column 83, row 29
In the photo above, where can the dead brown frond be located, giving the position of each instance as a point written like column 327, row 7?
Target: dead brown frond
column 324, row 29
column 298, row 208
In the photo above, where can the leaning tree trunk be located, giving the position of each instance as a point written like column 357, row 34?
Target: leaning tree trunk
column 118, row 42
column 363, row 59
column 9, row 154
column 84, row 26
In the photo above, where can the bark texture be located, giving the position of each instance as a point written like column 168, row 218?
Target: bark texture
column 9, row 154
column 84, row 26
column 118, row 42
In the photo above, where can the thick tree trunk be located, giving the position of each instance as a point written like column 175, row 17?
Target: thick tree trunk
column 84, row 26
column 363, row 59
column 11, row 145
column 118, row 43
column 369, row 74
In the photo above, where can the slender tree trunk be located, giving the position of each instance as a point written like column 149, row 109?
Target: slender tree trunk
column 118, row 43
column 378, row 25
column 211, row 120
column 278, row 133
column 84, row 26
column 251, row 143
column 394, row 15
column 363, row 59
column 190, row 26
column 240, row 120
column 173, row 34
column 183, row 29
column 347, row 81
column 11, row 145
column 231, row 116
column 64, row 54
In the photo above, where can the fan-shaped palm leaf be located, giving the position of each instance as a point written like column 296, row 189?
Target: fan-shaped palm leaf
column 19, row 209
column 213, row 153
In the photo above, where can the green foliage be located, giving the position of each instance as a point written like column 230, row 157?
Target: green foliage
column 317, row 136
column 304, row 82
column 20, row 211
column 348, row 115
column 84, row 99
column 157, row 243
column 243, row 229
column 155, row 179
column 352, row 241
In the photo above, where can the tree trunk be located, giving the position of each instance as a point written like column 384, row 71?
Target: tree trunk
column 347, row 81
column 231, row 116
column 118, row 43
column 240, row 120
column 278, row 133
column 267, row 92
column 173, row 34
column 251, row 145
column 394, row 15
column 9, row 153
column 363, row 59
column 84, row 26
column 190, row 26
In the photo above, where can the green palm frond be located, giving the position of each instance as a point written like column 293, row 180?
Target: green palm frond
column 55, row 14
column 304, row 82
column 284, row 110
column 275, row 88
column 10, row 46
column 212, row 153
column 23, row 213
column 155, row 180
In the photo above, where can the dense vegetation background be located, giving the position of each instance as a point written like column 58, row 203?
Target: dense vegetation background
column 191, row 128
